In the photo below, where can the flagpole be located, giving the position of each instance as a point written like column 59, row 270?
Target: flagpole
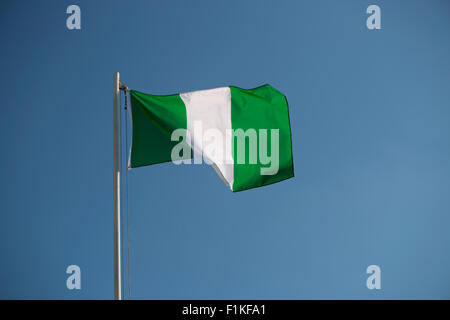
column 116, row 192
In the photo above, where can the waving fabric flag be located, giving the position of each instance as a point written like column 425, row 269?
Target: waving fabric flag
column 244, row 134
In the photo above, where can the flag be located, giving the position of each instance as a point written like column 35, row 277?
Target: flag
column 243, row 133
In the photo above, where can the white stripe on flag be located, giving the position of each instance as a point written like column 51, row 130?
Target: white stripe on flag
column 212, row 108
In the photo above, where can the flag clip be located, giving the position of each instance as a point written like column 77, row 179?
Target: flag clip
column 122, row 86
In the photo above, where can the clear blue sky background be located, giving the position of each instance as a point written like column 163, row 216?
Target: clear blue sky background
column 370, row 115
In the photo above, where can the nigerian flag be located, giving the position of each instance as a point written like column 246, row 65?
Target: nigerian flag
column 244, row 134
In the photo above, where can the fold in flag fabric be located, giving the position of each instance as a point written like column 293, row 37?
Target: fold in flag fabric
column 244, row 134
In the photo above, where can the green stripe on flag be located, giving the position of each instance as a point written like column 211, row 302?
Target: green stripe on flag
column 260, row 108
column 154, row 119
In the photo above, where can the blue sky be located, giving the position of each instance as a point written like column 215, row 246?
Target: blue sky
column 369, row 113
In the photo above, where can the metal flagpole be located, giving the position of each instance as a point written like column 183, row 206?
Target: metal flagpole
column 116, row 194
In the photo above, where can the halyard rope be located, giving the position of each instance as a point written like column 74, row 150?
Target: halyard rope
column 128, row 211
